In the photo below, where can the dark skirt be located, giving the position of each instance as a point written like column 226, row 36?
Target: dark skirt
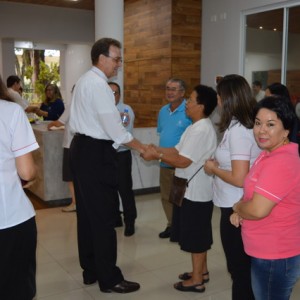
column 191, row 226
column 66, row 171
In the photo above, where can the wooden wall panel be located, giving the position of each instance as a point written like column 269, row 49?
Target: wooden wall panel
column 292, row 82
column 161, row 40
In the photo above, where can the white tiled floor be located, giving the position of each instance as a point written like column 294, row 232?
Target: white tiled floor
column 155, row 263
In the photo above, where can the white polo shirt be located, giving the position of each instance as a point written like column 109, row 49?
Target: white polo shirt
column 17, row 139
column 238, row 143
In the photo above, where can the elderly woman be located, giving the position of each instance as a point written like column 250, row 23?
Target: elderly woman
column 269, row 210
column 193, row 220
column 53, row 106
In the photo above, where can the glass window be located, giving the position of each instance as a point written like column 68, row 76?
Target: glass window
column 263, row 49
column 293, row 58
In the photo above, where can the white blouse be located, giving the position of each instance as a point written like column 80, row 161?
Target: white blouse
column 197, row 143
column 238, row 143
column 16, row 139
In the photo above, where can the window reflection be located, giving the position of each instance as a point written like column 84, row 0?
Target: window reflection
column 263, row 53
column 293, row 58
column 264, row 49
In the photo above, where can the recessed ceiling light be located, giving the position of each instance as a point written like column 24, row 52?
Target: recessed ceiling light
column 260, row 27
column 275, row 29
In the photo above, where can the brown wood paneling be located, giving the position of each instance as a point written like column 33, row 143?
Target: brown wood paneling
column 161, row 40
column 292, row 82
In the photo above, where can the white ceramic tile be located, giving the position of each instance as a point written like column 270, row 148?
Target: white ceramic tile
column 155, row 263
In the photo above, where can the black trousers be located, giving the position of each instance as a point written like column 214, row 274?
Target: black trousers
column 125, row 186
column 18, row 261
column 238, row 262
column 94, row 169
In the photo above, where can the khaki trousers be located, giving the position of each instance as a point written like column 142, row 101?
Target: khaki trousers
column 166, row 177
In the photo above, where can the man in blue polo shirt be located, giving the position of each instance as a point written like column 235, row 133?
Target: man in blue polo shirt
column 172, row 122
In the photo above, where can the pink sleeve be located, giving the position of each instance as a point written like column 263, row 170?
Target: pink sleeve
column 275, row 179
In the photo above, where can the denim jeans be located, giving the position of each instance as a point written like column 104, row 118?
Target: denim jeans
column 274, row 279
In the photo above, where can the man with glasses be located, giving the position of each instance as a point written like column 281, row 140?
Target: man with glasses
column 95, row 121
column 172, row 122
column 125, row 167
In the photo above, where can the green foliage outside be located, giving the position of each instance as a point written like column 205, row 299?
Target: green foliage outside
column 36, row 74
column 47, row 74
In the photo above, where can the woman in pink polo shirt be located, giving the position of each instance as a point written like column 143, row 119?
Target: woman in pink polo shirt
column 269, row 211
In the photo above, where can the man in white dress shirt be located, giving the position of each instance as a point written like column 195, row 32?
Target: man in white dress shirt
column 14, row 86
column 98, row 129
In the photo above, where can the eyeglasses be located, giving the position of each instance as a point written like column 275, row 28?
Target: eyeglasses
column 169, row 89
column 190, row 100
column 116, row 59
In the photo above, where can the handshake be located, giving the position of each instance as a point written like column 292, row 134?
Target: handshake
column 150, row 152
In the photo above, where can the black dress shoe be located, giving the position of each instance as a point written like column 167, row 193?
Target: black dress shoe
column 123, row 287
column 165, row 234
column 129, row 229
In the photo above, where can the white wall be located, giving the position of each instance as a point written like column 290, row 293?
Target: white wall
column 221, row 35
column 40, row 23
column 43, row 24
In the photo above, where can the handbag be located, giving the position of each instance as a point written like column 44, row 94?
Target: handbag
column 178, row 188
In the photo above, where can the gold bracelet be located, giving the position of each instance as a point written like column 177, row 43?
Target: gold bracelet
column 160, row 157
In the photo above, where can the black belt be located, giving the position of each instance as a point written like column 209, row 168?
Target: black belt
column 80, row 135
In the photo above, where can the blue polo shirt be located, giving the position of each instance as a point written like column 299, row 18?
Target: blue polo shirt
column 171, row 125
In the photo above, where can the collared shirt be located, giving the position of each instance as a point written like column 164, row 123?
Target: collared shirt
column 238, row 143
column 64, row 118
column 17, row 139
column 198, row 143
column 171, row 125
column 121, row 108
column 15, row 96
column 276, row 176
column 93, row 110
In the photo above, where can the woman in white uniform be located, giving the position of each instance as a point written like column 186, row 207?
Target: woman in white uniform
column 191, row 225
column 233, row 159
column 17, row 217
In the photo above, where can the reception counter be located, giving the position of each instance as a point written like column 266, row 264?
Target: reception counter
column 48, row 158
column 49, row 185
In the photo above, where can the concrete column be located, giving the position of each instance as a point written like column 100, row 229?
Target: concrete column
column 109, row 22
column 76, row 61
column 8, row 58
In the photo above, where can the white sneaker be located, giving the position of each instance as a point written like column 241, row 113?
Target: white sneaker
column 70, row 208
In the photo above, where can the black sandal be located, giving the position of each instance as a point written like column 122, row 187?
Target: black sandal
column 191, row 288
column 187, row 276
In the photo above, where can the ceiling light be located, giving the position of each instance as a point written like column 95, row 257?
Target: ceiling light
column 260, row 27
column 275, row 29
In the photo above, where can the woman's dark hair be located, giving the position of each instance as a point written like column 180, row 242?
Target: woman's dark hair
column 3, row 91
column 279, row 89
column 206, row 96
column 102, row 47
column 56, row 95
column 237, row 101
column 283, row 109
